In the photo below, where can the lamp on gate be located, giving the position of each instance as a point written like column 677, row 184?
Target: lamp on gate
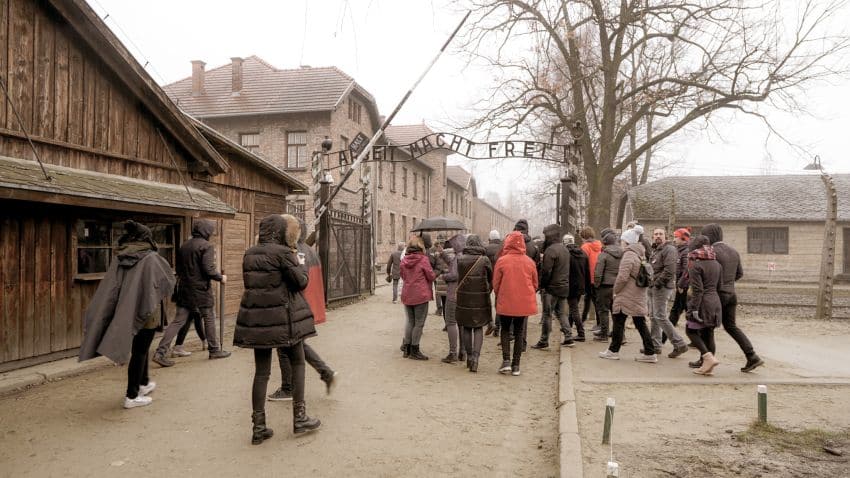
column 327, row 144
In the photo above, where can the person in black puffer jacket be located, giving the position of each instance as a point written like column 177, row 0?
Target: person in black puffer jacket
column 579, row 283
column 473, row 308
column 274, row 314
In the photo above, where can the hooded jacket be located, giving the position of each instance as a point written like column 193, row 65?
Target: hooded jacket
column 592, row 249
column 607, row 266
column 417, row 275
column 314, row 293
column 453, row 249
column 727, row 257
column 196, row 268
column 704, row 276
column 663, row 259
column 579, row 271
column 555, row 267
column 630, row 299
column 273, row 312
column 515, row 279
column 473, row 307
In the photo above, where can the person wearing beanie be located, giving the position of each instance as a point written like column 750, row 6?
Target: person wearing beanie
column 531, row 250
column 492, row 249
column 681, row 237
column 730, row 262
column 604, row 277
column 592, row 248
column 630, row 299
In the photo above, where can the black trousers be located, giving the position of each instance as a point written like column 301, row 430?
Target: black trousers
column 604, row 302
column 517, row 325
column 703, row 339
column 730, row 304
column 262, row 371
column 137, row 370
column 199, row 329
column 619, row 331
column 311, row 357
column 590, row 300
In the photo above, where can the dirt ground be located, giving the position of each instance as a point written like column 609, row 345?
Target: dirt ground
column 389, row 416
column 671, row 423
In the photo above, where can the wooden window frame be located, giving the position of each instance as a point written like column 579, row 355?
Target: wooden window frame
column 289, row 145
column 768, row 240
column 415, row 184
column 254, row 148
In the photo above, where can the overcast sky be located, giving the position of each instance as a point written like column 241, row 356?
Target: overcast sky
column 386, row 44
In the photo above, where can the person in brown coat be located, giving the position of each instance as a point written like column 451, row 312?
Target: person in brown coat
column 629, row 299
column 473, row 309
column 704, row 307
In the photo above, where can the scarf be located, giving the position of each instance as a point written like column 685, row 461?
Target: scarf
column 704, row 253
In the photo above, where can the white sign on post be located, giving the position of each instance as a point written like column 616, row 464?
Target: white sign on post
column 771, row 266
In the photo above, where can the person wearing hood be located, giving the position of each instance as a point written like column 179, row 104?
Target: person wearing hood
column 515, row 284
column 592, row 248
column 663, row 260
column 473, row 308
column 195, row 269
column 604, row 277
column 394, row 269
column 451, row 254
column 630, row 299
column 704, row 309
column 555, row 281
column 441, row 266
column 274, row 314
column 493, row 247
column 531, row 250
column 128, row 308
column 730, row 263
column 681, row 237
column 579, row 283
column 417, row 291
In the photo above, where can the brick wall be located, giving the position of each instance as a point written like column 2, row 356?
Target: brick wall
column 486, row 218
column 396, row 213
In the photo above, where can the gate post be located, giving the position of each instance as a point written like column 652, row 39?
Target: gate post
column 325, row 233
column 566, row 189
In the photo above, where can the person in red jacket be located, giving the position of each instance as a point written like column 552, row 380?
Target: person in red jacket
column 418, row 277
column 515, row 285
column 592, row 247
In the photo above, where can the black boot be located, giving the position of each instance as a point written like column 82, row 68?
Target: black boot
column 260, row 432
column 415, row 354
column 473, row 364
column 406, row 350
column 461, row 355
column 695, row 363
column 301, row 423
column 753, row 361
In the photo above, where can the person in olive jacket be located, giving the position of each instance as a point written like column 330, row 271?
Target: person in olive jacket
column 604, row 277
column 555, row 280
column 274, row 314
column 195, row 269
column 473, row 308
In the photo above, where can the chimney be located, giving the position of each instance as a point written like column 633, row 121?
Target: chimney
column 198, row 77
column 236, row 69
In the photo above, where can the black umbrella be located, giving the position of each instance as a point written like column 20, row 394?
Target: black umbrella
column 439, row 223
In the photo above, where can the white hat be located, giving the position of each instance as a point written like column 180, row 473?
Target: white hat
column 632, row 235
column 569, row 239
column 494, row 234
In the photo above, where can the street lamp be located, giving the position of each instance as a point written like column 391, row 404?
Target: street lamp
column 827, row 265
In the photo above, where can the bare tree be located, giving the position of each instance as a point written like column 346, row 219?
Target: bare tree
column 636, row 72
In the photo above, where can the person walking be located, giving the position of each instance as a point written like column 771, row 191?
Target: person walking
column 515, row 284
column 555, row 280
column 630, row 298
column 273, row 314
column 663, row 260
column 579, row 283
column 195, row 269
column 730, row 262
column 473, row 308
column 179, row 350
column 441, row 266
column 704, row 307
column 394, row 269
column 681, row 237
column 607, row 267
column 128, row 308
column 451, row 254
column 592, row 248
column 493, row 247
column 416, row 292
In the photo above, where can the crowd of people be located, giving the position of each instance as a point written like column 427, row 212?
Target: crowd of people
column 617, row 276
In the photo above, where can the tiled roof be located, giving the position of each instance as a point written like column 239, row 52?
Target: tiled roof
column 406, row 134
column 459, row 176
column 266, row 90
column 740, row 198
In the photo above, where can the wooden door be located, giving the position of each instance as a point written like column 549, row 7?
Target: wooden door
column 236, row 236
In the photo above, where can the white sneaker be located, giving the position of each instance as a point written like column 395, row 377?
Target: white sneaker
column 647, row 358
column 179, row 351
column 608, row 354
column 139, row 401
column 144, row 390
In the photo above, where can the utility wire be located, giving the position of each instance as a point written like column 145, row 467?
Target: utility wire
column 24, row 129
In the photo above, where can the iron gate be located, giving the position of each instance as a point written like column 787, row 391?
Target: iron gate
column 348, row 273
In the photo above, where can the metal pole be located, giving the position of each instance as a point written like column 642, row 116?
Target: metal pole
column 324, row 237
column 565, row 203
column 221, row 313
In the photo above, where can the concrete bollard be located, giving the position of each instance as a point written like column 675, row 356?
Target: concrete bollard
column 609, row 419
column 612, row 470
column 762, row 403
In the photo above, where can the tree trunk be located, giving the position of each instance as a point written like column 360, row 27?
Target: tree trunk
column 601, row 192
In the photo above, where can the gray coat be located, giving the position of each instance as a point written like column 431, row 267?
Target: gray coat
column 607, row 266
column 630, row 299
column 704, row 281
column 394, row 265
column 663, row 260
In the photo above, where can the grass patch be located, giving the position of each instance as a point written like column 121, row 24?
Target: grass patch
column 810, row 439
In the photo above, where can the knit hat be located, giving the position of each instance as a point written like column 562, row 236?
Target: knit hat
column 609, row 238
column 569, row 239
column 631, row 236
column 521, row 226
column 682, row 233
column 494, row 235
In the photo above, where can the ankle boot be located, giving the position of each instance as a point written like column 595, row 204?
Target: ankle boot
column 708, row 364
column 473, row 364
column 260, row 432
column 406, row 348
column 301, row 423
column 461, row 355
column 415, row 354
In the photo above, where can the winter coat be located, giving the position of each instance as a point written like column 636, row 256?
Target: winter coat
column 196, row 268
column 515, row 279
column 630, row 299
column 132, row 290
column 418, row 276
column 394, row 265
column 555, row 267
column 273, row 311
column 579, row 271
column 493, row 249
column 473, row 307
column 607, row 266
column 663, row 260
column 704, row 280
column 456, row 244
column 727, row 256
column 442, row 266
column 314, row 293
column 682, row 265
column 592, row 249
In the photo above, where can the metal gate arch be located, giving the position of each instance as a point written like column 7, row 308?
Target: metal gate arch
column 349, row 241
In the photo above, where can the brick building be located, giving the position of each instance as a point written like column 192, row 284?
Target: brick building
column 486, row 217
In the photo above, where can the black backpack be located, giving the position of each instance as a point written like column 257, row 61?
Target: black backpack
column 644, row 275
